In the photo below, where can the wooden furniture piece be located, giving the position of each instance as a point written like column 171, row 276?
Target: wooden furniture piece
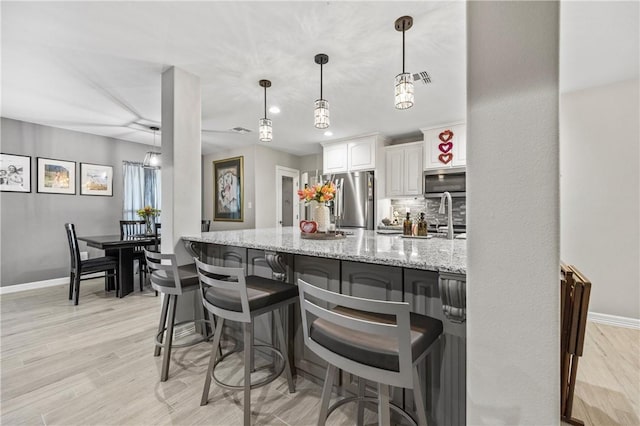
column 230, row 295
column 205, row 225
column 173, row 281
column 133, row 228
column 372, row 339
column 122, row 249
column 106, row 264
column 575, row 289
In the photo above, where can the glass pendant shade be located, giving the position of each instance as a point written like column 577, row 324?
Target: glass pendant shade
column 321, row 114
column 152, row 160
column 404, row 91
column 265, row 130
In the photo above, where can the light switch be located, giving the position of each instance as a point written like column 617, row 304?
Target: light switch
column 249, row 204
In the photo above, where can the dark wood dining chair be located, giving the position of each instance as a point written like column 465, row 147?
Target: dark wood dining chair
column 575, row 289
column 205, row 225
column 132, row 228
column 106, row 264
column 156, row 237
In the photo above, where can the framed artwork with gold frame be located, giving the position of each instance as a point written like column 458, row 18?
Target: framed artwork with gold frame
column 228, row 189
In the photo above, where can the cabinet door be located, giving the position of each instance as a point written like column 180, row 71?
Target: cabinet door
column 443, row 372
column 394, row 172
column 362, row 154
column 323, row 273
column 412, row 170
column 460, row 146
column 335, row 158
column 457, row 148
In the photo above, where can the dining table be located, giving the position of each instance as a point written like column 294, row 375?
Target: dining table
column 122, row 248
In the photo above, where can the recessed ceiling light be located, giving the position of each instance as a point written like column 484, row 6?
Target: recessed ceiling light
column 328, row 133
column 274, row 110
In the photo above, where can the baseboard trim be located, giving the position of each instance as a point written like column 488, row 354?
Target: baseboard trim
column 614, row 320
column 43, row 284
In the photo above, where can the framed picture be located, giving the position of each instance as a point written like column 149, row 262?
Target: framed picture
column 96, row 179
column 228, row 193
column 56, row 176
column 15, row 173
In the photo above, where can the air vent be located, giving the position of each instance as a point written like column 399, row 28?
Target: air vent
column 240, row 130
column 422, row 76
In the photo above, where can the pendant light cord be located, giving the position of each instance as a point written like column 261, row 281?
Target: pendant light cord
column 265, row 102
column 402, row 47
column 321, row 81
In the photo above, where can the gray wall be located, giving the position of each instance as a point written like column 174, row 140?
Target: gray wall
column 599, row 202
column 33, row 243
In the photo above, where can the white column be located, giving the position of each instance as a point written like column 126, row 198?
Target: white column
column 513, row 221
column 181, row 160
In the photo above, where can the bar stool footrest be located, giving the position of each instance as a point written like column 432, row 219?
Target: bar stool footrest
column 187, row 344
column 350, row 399
column 258, row 384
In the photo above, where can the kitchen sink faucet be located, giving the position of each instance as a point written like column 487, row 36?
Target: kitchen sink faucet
column 446, row 198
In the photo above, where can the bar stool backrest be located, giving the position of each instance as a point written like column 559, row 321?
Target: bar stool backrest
column 397, row 328
column 163, row 266
column 232, row 286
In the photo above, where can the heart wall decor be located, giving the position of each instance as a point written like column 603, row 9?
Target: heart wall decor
column 445, row 158
column 446, row 136
column 445, row 147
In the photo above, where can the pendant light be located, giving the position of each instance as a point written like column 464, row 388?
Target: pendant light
column 404, row 81
column 265, row 130
column 152, row 158
column 321, row 113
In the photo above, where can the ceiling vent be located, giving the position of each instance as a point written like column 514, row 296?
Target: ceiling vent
column 240, row 130
column 422, row 76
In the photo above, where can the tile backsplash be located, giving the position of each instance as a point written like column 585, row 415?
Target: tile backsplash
column 430, row 206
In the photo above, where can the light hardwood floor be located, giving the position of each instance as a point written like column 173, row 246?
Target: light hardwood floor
column 93, row 364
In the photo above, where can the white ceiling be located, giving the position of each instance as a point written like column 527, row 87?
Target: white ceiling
column 96, row 67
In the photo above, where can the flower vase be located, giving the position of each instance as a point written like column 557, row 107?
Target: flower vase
column 322, row 216
column 149, row 226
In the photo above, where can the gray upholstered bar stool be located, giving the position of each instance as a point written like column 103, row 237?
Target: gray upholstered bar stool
column 173, row 281
column 241, row 299
column 372, row 339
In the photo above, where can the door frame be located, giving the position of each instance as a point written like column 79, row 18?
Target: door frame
column 282, row 171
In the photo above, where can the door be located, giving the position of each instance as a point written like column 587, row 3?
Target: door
column 287, row 205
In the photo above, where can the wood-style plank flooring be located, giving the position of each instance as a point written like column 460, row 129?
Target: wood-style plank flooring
column 93, row 364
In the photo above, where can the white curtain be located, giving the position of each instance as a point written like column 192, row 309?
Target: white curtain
column 141, row 188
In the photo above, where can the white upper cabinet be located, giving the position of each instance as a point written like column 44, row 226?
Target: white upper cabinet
column 334, row 158
column 445, row 147
column 350, row 155
column 403, row 169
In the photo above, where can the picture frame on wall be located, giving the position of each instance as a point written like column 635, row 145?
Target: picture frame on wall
column 96, row 179
column 56, row 176
column 228, row 193
column 15, row 173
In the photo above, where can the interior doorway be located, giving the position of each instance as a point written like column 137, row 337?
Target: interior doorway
column 287, row 206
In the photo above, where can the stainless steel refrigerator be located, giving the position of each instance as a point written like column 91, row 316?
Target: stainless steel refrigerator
column 354, row 201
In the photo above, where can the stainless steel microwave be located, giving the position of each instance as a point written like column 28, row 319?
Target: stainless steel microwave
column 453, row 181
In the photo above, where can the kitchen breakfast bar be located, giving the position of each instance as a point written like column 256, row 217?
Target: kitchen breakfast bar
column 429, row 274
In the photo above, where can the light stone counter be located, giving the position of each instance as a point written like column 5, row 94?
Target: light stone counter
column 434, row 254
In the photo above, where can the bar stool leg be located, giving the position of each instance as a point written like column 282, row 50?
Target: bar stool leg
column 212, row 360
column 168, row 338
column 361, row 386
column 384, row 415
column 326, row 394
column 419, row 398
column 248, row 337
column 250, row 347
column 162, row 324
column 283, row 349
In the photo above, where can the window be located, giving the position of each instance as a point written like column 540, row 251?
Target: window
column 142, row 187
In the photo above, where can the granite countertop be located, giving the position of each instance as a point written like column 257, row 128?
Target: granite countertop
column 435, row 254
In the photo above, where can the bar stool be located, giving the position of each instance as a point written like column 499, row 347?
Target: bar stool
column 173, row 281
column 241, row 299
column 372, row 339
